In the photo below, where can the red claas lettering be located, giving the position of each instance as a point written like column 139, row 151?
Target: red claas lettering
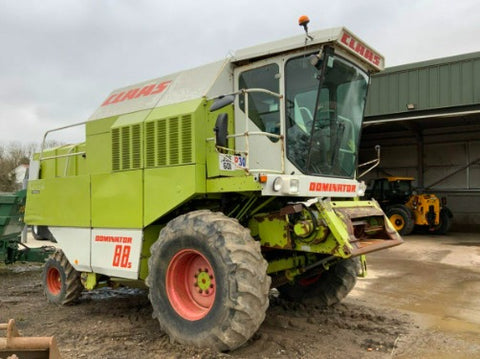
column 147, row 90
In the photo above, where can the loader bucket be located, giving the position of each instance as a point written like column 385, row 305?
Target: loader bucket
column 15, row 346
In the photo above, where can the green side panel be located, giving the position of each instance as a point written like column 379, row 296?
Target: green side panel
column 131, row 119
column 174, row 135
column 117, row 200
column 99, row 126
column 99, row 145
column 150, row 235
column 233, row 184
column 174, row 157
column 59, row 202
column 168, row 187
column 175, row 110
column 99, row 149
column 63, row 166
column 127, row 142
column 212, row 154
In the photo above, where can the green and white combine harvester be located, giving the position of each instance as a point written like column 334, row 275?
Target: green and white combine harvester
column 213, row 185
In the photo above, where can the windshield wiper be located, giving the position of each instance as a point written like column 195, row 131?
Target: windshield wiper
column 326, row 53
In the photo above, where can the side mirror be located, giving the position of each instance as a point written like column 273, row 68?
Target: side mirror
column 221, row 130
column 221, row 102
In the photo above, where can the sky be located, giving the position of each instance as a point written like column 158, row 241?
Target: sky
column 59, row 59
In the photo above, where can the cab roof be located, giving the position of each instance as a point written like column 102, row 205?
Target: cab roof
column 339, row 35
column 394, row 178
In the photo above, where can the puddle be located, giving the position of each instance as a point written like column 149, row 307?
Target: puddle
column 108, row 292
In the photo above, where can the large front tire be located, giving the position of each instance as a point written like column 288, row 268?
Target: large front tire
column 61, row 282
column 326, row 289
column 208, row 281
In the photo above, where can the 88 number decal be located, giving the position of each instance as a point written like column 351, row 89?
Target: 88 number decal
column 121, row 256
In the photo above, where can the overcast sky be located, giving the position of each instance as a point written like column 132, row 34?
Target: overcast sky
column 61, row 58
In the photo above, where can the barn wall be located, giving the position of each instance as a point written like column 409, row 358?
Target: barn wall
column 441, row 157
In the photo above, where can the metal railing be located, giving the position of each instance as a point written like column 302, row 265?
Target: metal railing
column 66, row 155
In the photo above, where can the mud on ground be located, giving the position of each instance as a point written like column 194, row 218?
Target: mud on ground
column 118, row 323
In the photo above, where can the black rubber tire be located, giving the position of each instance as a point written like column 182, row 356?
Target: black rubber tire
column 445, row 222
column 330, row 288
column 242, row 285
column 404, row 222
column 68, row 286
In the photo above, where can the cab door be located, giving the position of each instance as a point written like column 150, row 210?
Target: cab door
column 263, row 125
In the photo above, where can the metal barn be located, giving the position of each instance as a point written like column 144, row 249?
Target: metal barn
column 426, row 117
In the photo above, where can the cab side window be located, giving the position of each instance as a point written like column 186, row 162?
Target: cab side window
column 263, row 109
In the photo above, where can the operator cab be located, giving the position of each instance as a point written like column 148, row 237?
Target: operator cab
column 390, row 189
column 302, row 109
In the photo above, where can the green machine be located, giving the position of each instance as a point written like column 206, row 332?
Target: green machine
column 12, row 208
column 213, row 185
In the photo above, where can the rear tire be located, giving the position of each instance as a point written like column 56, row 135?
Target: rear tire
column 329, row 288
column 402, row 219
column 208, row 281
column 61, row 282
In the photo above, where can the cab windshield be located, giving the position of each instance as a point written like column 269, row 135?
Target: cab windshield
column 324, row 116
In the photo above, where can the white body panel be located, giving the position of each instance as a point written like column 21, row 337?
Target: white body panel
column 311, row 186
column 116, row 252
column 112, row 252
column 75, row 243
column 209, row 81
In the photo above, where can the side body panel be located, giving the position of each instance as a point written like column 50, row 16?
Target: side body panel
column 62, row 201
column 116, row 252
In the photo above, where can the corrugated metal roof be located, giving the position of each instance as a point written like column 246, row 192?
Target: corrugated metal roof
column 437, row 84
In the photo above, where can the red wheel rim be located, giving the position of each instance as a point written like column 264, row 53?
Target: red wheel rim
column 190, row 284
column 306, row 282
column 54, row 281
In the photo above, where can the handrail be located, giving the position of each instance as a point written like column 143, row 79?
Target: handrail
column 42, row 147
column 66, row 155
column 61, row 156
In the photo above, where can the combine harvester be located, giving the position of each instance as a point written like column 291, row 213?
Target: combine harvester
column 213, row 185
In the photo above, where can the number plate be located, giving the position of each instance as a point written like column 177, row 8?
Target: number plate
column 231, row 162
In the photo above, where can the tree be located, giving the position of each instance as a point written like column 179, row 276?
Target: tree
column 11, row 156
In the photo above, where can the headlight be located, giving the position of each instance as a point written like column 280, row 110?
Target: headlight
column 277, row 184
column 294, row 185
